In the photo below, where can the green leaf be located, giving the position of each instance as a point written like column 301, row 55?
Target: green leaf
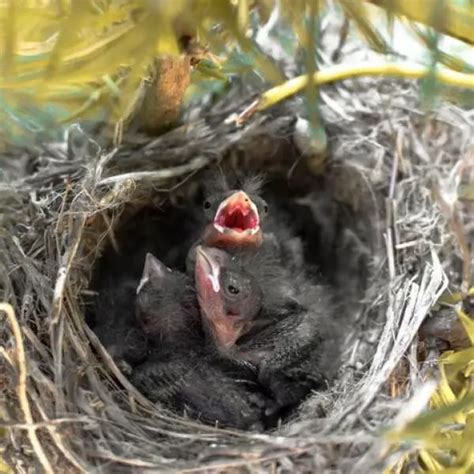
column 432, row 420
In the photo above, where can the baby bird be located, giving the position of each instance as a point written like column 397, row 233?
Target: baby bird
column 237, row 218
column 166, row 307
column 232, row 289
column 230, row 297
column 282, row 330
column 204, row 388
column 182, row 372
column 231, row 218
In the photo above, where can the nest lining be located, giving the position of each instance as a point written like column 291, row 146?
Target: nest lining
column 57, row 221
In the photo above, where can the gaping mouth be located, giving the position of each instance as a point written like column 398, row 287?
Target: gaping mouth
column 237, row 214
column 226, row 328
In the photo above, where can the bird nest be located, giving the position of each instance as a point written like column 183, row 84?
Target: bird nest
column 65, row 404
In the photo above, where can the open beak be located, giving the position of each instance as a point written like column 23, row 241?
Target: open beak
column 224, row 328
column 238, row 215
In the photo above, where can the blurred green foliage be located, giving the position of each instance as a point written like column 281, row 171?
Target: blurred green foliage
column 63, row 61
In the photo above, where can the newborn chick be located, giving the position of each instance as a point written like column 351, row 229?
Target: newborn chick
column 231, row 219
column 166, row 307
column 181, row 372
column 296, row 353
column 229, row 296
column 282, row 329
column 203, row 388
column 232, row 289
column 238, row 218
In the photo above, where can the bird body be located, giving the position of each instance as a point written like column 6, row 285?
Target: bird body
column 182, row 371
column 285, row 339
column 166, row 307
column 203, row 388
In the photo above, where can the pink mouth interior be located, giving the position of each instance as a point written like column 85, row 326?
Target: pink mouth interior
column 237, row 218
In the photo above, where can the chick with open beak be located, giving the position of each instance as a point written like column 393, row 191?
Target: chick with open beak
column 229, row 296
column 232, row 219
column 235, row 222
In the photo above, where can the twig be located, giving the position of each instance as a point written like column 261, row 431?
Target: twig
column 45, row 424
column 390, row 208
column 63, row 272
column 151, row 176
column 348, row 71
column 343, row 34
column 21, row 388
column 51, row 426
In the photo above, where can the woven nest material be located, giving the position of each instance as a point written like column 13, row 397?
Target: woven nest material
column 62, row 204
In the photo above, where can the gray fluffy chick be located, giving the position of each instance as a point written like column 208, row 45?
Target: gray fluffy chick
column 182, row 372
column 291, row 341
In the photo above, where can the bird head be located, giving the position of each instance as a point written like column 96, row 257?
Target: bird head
column 229, row 296
column 165, row 303
column 234, row 218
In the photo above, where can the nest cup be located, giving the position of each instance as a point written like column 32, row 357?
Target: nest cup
column 56, row 227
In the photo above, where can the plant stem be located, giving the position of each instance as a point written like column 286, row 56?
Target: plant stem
column 349, row 71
